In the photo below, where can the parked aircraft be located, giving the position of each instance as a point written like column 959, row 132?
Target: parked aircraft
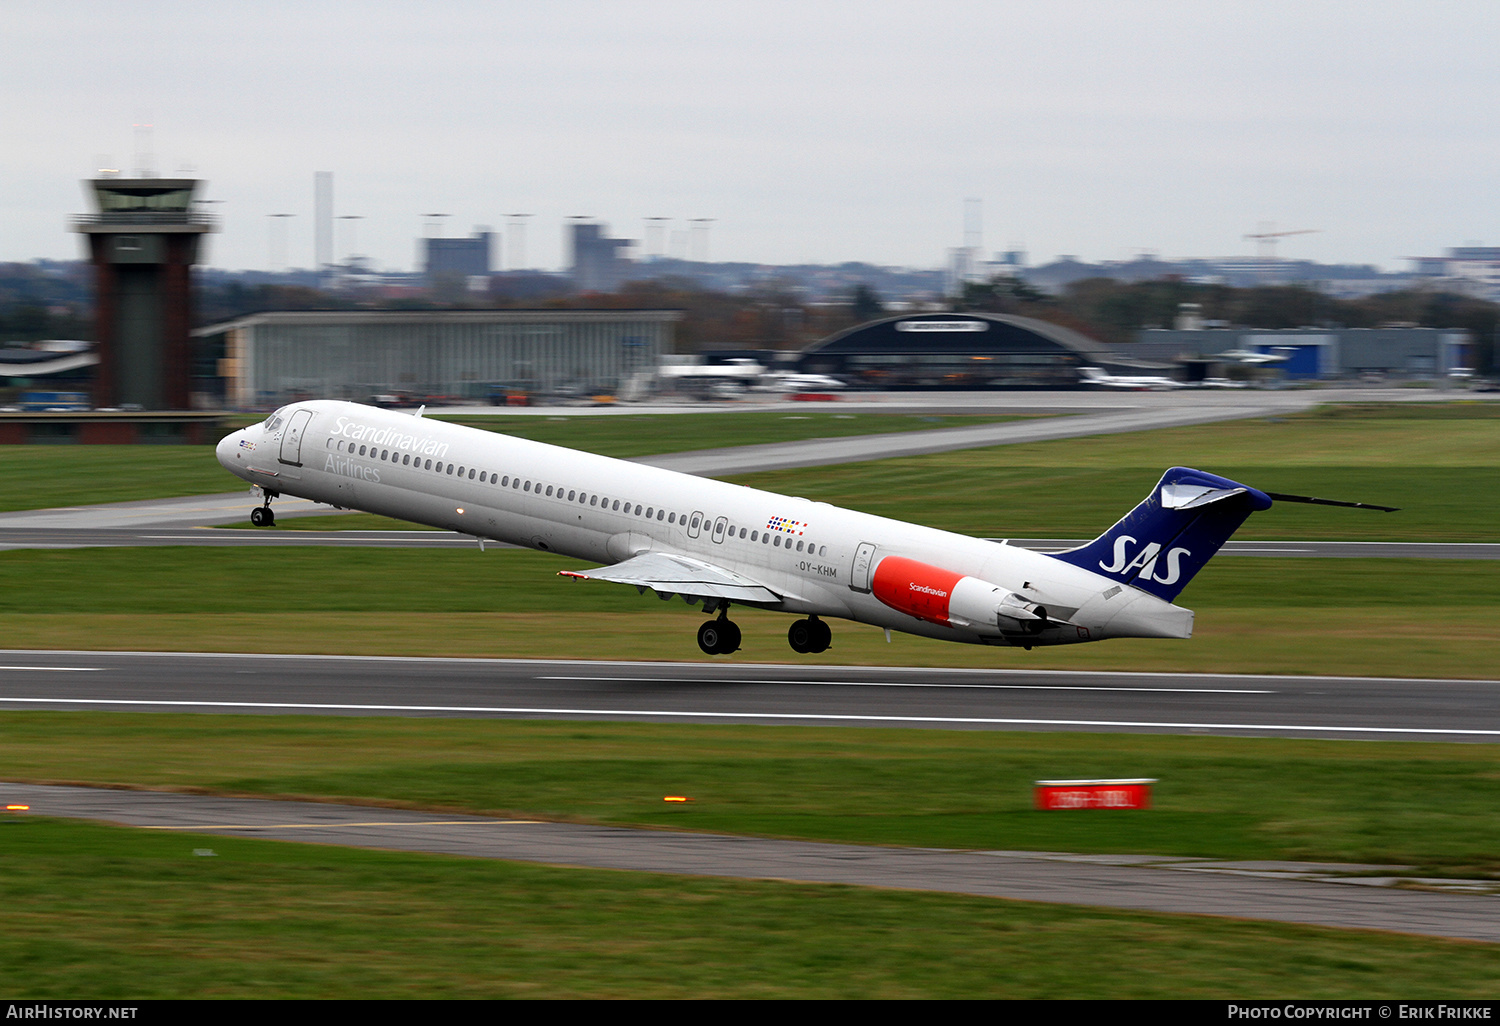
column 788, row 381
column 1101, row 378
column 719, row 544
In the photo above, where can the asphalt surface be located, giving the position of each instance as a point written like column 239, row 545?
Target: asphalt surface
column 1377, row 898
column 726, row 692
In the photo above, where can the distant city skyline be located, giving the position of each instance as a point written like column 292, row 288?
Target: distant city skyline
column 815, row 133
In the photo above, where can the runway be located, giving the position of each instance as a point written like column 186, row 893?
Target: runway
column 1307, row 893
column 903, row 697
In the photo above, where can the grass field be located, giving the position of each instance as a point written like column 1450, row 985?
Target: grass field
column 44, row 476
column 1254, row 614
column 1440, row 463
column 101, row 912
column 1427, row 805
column 110, row 912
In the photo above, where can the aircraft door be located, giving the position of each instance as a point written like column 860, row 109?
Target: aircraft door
column 719, row 526
column 859, row 575
column 291, row 438
column 694, row 524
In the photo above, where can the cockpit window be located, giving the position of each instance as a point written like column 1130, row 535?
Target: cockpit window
column 272, row 423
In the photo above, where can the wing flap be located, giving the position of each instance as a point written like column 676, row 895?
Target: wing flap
column 671, row 574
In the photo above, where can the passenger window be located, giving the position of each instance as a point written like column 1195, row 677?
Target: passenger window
column 361, row 450
column 460, row 471
column 660, row 514
column 449, row 470
column 799, row 546
column 471, row 473
column 755, row 536
column 617, row 505
column 778, row 541
column 593, row 500
column 672, row 519
column 570, row 495
column 765, row 539
column 742, row 532
column 695, row 523
column 528, row 486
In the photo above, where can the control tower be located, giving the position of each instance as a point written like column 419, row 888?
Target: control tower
column 143, row 242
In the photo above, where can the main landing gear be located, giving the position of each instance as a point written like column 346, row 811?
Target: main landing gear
column 810, row 635
column 261, row 516
column 721, row 636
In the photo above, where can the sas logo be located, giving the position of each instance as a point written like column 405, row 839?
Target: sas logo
column 1145, row 561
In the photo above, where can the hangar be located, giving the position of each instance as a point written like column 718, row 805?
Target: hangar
column 1322, row 353
column 956, row 350
column 267, row 359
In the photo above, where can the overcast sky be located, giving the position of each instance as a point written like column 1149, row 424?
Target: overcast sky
column 809, row 131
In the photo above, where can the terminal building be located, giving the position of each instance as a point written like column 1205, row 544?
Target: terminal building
column 268, row 359
column 961, row 351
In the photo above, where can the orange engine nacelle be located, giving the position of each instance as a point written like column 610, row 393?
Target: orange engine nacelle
column 916, row 589
column 941, row 596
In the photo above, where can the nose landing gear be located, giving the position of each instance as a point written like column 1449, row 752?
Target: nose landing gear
column 261, row 516
column 809, row 636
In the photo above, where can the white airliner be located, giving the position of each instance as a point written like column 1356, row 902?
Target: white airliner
column 716, row 543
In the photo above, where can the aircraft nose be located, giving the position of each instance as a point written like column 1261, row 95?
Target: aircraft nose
column 228, row 449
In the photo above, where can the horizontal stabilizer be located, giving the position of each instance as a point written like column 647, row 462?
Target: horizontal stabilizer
column 1281, row 497
column 672, row 574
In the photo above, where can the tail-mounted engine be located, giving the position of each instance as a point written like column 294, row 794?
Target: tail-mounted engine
column 940, row 596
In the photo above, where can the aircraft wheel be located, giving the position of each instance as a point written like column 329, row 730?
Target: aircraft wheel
column 258, row 516
column 270, row 516
column 712, row 636
column 731, row 631
column 800, row 636
column 822, row 636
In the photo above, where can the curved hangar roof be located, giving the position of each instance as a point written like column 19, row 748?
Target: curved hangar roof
column 966, row 333
column 958, row 349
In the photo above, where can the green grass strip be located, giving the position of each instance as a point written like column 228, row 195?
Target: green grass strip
column 1428, row 805
column 110, row 913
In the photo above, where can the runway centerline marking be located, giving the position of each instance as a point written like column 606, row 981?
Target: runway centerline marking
column 59, row 669
column 704, row 714
column 900, row 684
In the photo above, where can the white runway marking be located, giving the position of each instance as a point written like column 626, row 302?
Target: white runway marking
column 58, row 669
column 922, row 684
column 821, row 717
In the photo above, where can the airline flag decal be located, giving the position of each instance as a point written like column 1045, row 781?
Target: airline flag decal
column 786, row 526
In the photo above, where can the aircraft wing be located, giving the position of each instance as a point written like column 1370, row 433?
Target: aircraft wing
column 670, row 574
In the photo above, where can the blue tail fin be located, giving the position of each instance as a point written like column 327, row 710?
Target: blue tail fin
column 1163, row 542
